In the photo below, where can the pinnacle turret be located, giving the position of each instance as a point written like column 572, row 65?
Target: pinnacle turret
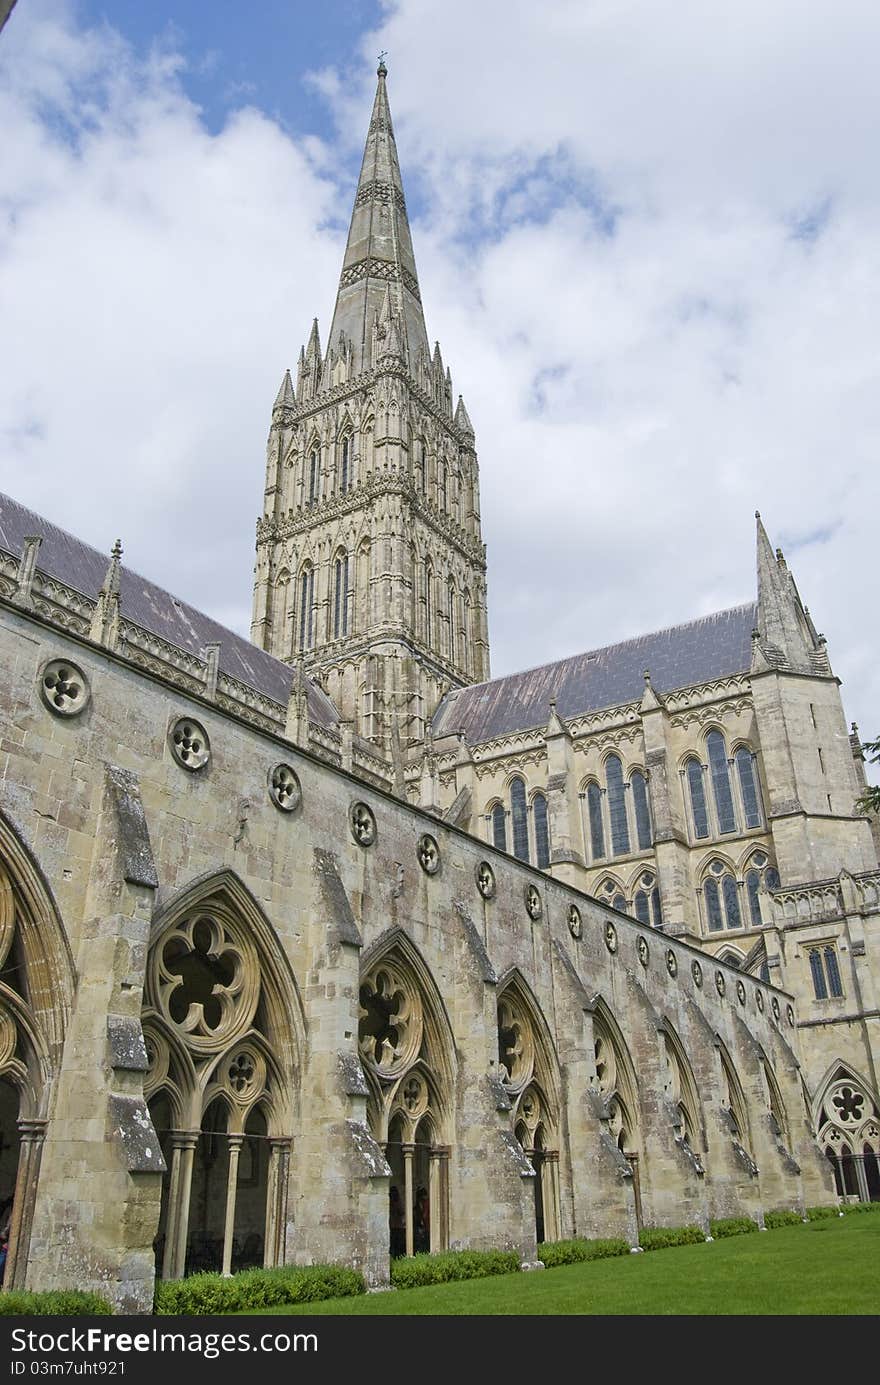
column 786, row 634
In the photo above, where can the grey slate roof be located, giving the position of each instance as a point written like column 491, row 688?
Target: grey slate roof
column 712, row 647
column 78, row 565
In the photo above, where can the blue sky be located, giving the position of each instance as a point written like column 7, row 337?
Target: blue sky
column 646, row 239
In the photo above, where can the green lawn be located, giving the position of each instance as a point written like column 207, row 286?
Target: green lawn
column 824, row 1267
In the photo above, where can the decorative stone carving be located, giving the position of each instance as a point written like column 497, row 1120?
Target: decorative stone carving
column 644, row 952
column 575, row 924
column 391, row 1021
column 64, row 688
column 610, row 937
column 534, row 902
column 284, row 788
column 428, row 854
column 363, row 824
column 206, row 981
column 516, row 1049
column 189, row 743
column 697, row 974
column 485, row 877
column 741, row 992
column 720, row 982
column 774, row 1008
column 789, row 1015
column 671, row 962
column 759, row 1000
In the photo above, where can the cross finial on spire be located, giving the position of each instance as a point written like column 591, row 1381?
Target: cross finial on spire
column 116, row 550
column 382, row 70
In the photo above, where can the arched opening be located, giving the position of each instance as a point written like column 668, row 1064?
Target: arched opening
column 221, row 1037
column 872, row 1172
column 527, row 1067
column 9, row 1152
column 406, row 1051
column 848, row 1122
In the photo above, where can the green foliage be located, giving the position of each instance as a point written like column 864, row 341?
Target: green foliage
column 731, row 1226
column 821, row 1213
column 417, row 1270
column 571, row 1252
column 66, row 1303
column 773, row 1220
column 254, row 1289
column 848, row 1208
column 659, row 1237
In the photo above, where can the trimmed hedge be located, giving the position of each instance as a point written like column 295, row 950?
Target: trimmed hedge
column 66, row 1303
column 820, row 1213
column 553, row 1253
column 249, row 1289
column 731, row 1226
column 659, row 1237
column 417, row 1270
column 848, row 1208
column 773, row 1220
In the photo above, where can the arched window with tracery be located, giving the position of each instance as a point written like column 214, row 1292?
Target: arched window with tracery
column 528, row 1072
column 849, row 1134
column 697, row 793
column 756, row 868
column 429, row 602
column 594, row 817
column 346, row 453
column 306, row 606
column 542, row 830
column 744, row 759
column 615, row 1082
column 340, row 596
column 617, row 806
column 222, row 1027
column 362, row 588
column 680, row 1091
column 519, row 818
column 733, row 1102
column 639, row 790
column 720, row 773
column 499, row 826
column 721, row 898
column 451, row 602
column 441, row 484
column 406, row 1052
column 313, row 490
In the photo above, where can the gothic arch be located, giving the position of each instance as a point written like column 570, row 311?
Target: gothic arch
column 846, row 1118
column 733, row 1100
column 775, row 1104
column 680, row 1090
column 407, row 1052
column 37, row 983
column 616, row 1081
column 224, row 1029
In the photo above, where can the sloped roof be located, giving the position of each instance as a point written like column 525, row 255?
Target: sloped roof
column 78, row 565
column 713, row 647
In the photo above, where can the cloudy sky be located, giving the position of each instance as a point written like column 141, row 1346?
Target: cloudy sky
column 647, row 237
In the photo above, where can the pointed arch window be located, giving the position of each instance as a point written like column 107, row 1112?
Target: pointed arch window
column 714, row 918
column 642, row 908
column 519, row 819
column 542, row 831
column 748, row 785
column 314, row 477
column 597, row 829
column 345, row 461
column 450, row 611
column 421, row 466
column 617, row 806
column 441, row 484
column 730, row 893
column 697, row 791
column 656, row 907
column 429, row 603
column 340, row 596
column 720, row 771
column 499, row 827
column 721, row 896
column 306, row 597
column 753, row 885
column 642, row 812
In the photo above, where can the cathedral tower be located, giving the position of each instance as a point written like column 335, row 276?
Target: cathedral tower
column 370, row 565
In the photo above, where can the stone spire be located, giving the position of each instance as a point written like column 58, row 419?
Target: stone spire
column 379, row 253
column 783, row 627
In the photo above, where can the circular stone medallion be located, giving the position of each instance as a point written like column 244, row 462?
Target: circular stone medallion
column 575, row 926
column 534, row 903
column 64, row 688
column 362, row 822
column 720, row 982
column 671, row 963
column 610, row 936
column 284, row 788
column 429, row 854
column 485, row 877
column 189, row 743
column 697, row 974
column 644, row 951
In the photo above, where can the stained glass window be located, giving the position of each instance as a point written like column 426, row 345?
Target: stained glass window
column 617, row 806
column 721, row 782
column 597, row 831
column 640, row 804
column 542, row 832
column 745, row 766
column 698, row 798
column 519, row 819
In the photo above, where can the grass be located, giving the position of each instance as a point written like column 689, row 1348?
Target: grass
column 826, row 1267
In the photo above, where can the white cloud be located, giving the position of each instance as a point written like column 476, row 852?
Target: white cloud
column 649, row 249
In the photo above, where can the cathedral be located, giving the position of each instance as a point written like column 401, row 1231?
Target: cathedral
column 327, row 946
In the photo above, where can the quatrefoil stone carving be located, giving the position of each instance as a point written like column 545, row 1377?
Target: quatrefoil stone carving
column 575, row 924
column 428, row 854
column 363, row 824
column 284, row 788
column 485, row 877
column 189, row 743
column 534, row 903
column 64, row 688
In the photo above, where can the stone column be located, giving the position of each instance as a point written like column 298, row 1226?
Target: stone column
column 186, row 1140
column 234, row 1143
column 276, row 1202
column 32, row 1134
column 408, row 1153
column 437, row 1197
